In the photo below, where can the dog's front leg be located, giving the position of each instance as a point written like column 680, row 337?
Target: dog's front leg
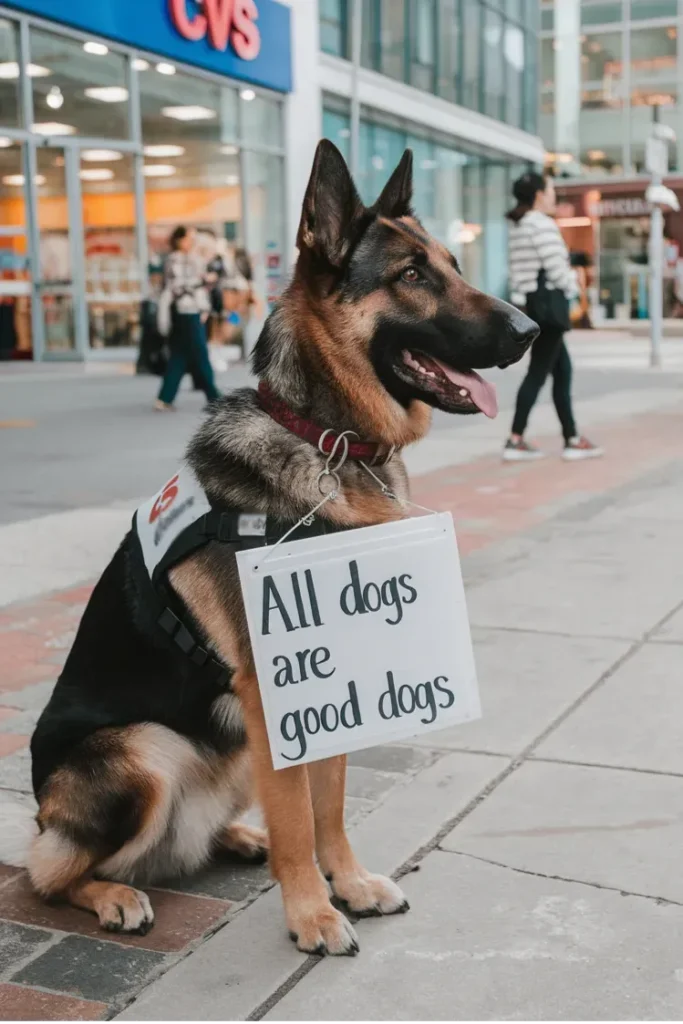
column 365, row 894
column 285, row 797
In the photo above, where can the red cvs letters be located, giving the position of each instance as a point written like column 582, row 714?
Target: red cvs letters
column 223, row 22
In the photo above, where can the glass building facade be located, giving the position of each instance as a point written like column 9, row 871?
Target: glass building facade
column 604, row 68
column 481, row 54
column 104, row 149
column 460, row 195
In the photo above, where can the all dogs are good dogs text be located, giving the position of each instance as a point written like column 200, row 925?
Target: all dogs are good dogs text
column 292, row 603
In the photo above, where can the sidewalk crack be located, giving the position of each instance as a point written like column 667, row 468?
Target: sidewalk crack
column 659, row 900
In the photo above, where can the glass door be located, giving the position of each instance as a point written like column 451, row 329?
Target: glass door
column 15, row 284
column 59, row 283
column 111, row 256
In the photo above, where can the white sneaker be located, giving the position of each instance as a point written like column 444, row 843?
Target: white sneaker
column 521, row 451
column 581, row 448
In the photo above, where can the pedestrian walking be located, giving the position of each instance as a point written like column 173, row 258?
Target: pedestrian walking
column 186, row 293
column 542, row 281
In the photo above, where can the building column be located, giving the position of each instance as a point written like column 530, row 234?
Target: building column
column 567, row 76
column 303, row 114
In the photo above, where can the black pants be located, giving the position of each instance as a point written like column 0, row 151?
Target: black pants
column 189, row 353
column 548, row 355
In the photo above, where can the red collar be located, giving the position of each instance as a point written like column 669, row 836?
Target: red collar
column 310, row 431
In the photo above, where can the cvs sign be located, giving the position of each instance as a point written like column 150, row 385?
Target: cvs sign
column 220, row 22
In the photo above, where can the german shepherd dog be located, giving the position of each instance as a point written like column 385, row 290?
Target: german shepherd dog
column 141, row 767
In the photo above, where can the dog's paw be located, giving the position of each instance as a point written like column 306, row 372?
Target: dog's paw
column 369, row 895
column 246, row 842
column 122, row 909
column 325, row 931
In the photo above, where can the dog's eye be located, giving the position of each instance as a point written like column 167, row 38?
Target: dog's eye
column 411, row 274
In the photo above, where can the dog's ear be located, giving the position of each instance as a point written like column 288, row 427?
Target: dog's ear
column 398, row 191
column 331, row 206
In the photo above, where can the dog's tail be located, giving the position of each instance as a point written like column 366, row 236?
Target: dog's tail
column 17, row 830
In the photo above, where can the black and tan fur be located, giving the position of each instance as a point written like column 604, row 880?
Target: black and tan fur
column 141, row 768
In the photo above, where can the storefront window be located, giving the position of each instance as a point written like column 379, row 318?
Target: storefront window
column 113, row 281
column 9, row 73
column 423, row 24
column 78, row 91
column 266, row 236
column 472, row 31
column 191, row 160
column 56, row 254
column 393, row 38
column 336, row 129
column 601, row 13
column 494, row 80
column 458, row 196
column 643, row 10
column 15, row 307
column 514, row 63
column 261, row 120
column 601, row 70
column 449, row 50
column 653, row 84
column 333, row 27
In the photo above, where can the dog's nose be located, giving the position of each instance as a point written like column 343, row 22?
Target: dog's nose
column 523, row 330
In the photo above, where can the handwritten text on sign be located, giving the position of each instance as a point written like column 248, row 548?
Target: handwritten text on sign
column 359, row 638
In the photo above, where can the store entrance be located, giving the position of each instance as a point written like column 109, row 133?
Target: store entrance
column 88, row 289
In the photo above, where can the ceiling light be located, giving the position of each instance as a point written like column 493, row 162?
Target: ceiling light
column 96, row 174
column 101, row 155
column 596, row 154
column 5, row 142
column 189, row 113
column 248, row 95
column 158, row 170
column 107, row 93
column 54, row 98
column 232, row 179
column 229, row 150
column 18, row 179
column 163, row 150
column 344, row 133
column 53, row 128
column 140, row 64
column 10, row 69
column 165, row 69
column 97, row 49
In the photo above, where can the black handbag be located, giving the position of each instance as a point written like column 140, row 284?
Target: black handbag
column 549, row 307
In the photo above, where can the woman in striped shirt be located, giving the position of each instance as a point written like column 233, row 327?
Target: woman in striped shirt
column 535, row 244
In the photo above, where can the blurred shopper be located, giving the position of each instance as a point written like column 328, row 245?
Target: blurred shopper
column 188, row 301
column 580, row 307
column 542, row 281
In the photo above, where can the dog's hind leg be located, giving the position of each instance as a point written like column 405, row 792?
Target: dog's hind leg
column 365, row 894
column 61, row 868
column 105, row 817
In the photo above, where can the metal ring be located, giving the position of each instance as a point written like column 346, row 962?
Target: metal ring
column 335, row 479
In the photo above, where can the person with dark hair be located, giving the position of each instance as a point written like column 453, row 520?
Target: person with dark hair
column 541, row 279
column 184, row 280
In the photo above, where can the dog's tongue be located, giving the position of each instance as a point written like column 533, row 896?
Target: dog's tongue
column 481, row 392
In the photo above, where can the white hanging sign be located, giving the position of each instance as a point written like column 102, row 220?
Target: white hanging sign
column 359, row 638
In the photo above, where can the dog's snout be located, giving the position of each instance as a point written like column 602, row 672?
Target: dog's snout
column 523, row 330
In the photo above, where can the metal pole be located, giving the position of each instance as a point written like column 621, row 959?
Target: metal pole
column 356, row 38
column 656, row 269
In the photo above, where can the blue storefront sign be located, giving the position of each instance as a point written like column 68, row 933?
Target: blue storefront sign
column 245, row 39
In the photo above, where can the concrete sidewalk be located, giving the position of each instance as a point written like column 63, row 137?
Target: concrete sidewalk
column 547, row 835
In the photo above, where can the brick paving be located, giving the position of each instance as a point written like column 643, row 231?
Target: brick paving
column 54, row 961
